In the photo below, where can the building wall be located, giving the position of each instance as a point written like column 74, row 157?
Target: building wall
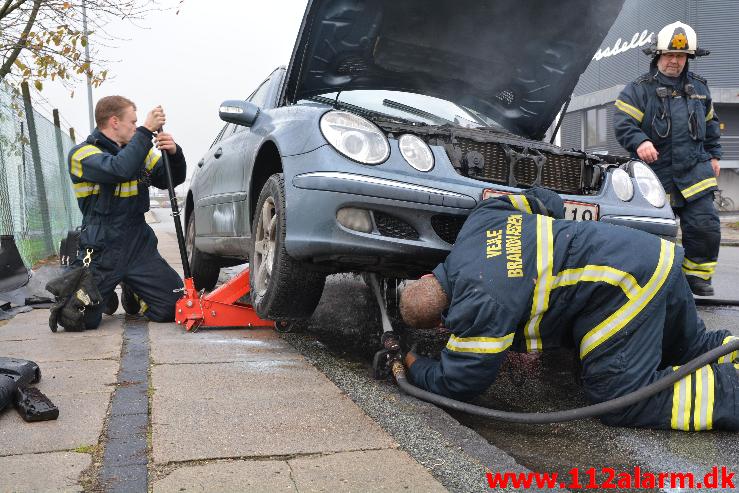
column 621, row 59
column 716, row 23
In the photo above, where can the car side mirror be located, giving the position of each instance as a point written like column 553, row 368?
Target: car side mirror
column 239, row 112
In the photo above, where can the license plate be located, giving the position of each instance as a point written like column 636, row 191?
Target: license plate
column 578, row 211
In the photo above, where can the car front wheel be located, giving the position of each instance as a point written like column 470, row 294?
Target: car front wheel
column 281, row 287
column 204, row 269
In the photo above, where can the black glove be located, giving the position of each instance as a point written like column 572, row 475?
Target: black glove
column 75, row 291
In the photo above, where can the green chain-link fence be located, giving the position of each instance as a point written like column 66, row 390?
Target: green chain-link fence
column 37, row 203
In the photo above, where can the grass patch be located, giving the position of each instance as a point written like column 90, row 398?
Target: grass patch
column 86, row 449
column 734, row 225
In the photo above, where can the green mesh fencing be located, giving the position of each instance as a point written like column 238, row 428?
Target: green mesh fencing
column 37, row 203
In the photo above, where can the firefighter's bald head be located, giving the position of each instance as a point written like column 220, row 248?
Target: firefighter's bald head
column 422, row 303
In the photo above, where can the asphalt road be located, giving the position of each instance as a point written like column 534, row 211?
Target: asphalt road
column 345, row 330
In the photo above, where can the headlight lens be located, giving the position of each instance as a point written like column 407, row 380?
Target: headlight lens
column 416, row 152
column 622, row 185
column 648, row 184
column 355, row 137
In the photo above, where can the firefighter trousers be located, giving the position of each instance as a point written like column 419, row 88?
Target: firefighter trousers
column 134, row 260
column 668, row 335
column 701, row 230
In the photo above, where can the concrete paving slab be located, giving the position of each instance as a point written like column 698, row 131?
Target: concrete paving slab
column 80, row 422
column 126, row 479
column 77, row 377
column 254, row 408
column 35, row 324
column 373, row 470
column 172, row 344
column 61, row 472
column 130, row 400
column 123, row 452
column 128, row 425
column 61, row 347
column 245, row 476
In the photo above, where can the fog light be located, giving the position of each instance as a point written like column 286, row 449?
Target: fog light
column 355, row 219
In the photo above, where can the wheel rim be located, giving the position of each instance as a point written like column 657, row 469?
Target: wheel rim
column 264, row 246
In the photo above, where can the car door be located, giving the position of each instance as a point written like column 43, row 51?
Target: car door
column 233, row 156
column 203, row 186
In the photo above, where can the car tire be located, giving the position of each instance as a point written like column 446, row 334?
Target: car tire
column 203, row 268
column 281, row 287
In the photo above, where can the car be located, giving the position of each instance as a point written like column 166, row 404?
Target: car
column 392, row 121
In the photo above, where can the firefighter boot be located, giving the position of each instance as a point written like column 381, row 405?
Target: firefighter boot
column 129, row 300
column 700, row 287
column 112, row 304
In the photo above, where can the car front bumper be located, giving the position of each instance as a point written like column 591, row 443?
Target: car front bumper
column 415, row 216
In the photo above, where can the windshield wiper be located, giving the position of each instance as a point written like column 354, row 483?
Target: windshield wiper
column 358, row 109
column 416, row 111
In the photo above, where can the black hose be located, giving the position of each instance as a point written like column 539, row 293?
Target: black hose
column 715, row 302
column 570, row 414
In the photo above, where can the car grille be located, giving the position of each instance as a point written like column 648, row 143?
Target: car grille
column 447, row 226
column 513, row 166
column 393, row 227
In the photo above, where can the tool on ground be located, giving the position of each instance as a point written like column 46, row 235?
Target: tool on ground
column 16, row 376
column 399, row 372
column 219, row 308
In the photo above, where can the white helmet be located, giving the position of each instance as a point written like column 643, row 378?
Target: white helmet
column 677, row 38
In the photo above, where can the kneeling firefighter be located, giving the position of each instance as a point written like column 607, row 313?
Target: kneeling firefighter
column 666, row 118
column 111, row 173
column 520, row 277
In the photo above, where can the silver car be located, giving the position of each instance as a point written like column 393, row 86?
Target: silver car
column 392, row 122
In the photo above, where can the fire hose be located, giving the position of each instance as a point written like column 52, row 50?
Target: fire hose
column 571, row 414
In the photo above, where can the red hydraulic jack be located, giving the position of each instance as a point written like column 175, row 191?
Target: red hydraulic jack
column 219, row 308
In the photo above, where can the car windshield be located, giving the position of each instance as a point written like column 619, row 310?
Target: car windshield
column 413, row 107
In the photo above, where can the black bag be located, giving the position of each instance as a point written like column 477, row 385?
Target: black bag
column 69, row 247
column 75, row 291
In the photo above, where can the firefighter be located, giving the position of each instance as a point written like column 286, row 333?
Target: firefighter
column 111, row 173
column 666, row 118
column 519, row 279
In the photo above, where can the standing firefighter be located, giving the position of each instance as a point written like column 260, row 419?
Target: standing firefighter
column 111, row 172
column 666, row 118
column 519, row 279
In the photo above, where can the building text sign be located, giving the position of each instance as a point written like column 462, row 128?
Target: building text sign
column 620, row 46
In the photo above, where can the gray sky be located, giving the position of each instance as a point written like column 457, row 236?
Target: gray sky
column 189, row 63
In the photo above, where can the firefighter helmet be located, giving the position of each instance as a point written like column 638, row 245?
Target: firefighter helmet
column 676, row 38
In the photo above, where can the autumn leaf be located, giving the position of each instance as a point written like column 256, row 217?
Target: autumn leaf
column 38, row 85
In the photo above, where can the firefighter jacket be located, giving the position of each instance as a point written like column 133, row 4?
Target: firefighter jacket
column 519, row 280
column 677, row 115
column 112, row 183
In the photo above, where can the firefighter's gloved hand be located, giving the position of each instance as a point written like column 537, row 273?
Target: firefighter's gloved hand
column 545, row 202
column 75, row 292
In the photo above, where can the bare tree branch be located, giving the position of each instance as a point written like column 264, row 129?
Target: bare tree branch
column 5, row 69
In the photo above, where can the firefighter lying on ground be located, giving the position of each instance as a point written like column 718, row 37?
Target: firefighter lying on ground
column 111, row 174
column 519, row 279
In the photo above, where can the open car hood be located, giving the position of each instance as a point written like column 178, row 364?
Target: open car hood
column 515, row 61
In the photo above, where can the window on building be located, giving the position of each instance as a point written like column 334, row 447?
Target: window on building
column 596, row 127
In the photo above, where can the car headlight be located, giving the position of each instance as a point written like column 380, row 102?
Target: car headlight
column 416, row 152
column 648, row 183
column 622, row 185
column 355, row 137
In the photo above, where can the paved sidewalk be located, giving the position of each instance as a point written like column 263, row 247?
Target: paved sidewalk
column 729, row 229
column 229, row 410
